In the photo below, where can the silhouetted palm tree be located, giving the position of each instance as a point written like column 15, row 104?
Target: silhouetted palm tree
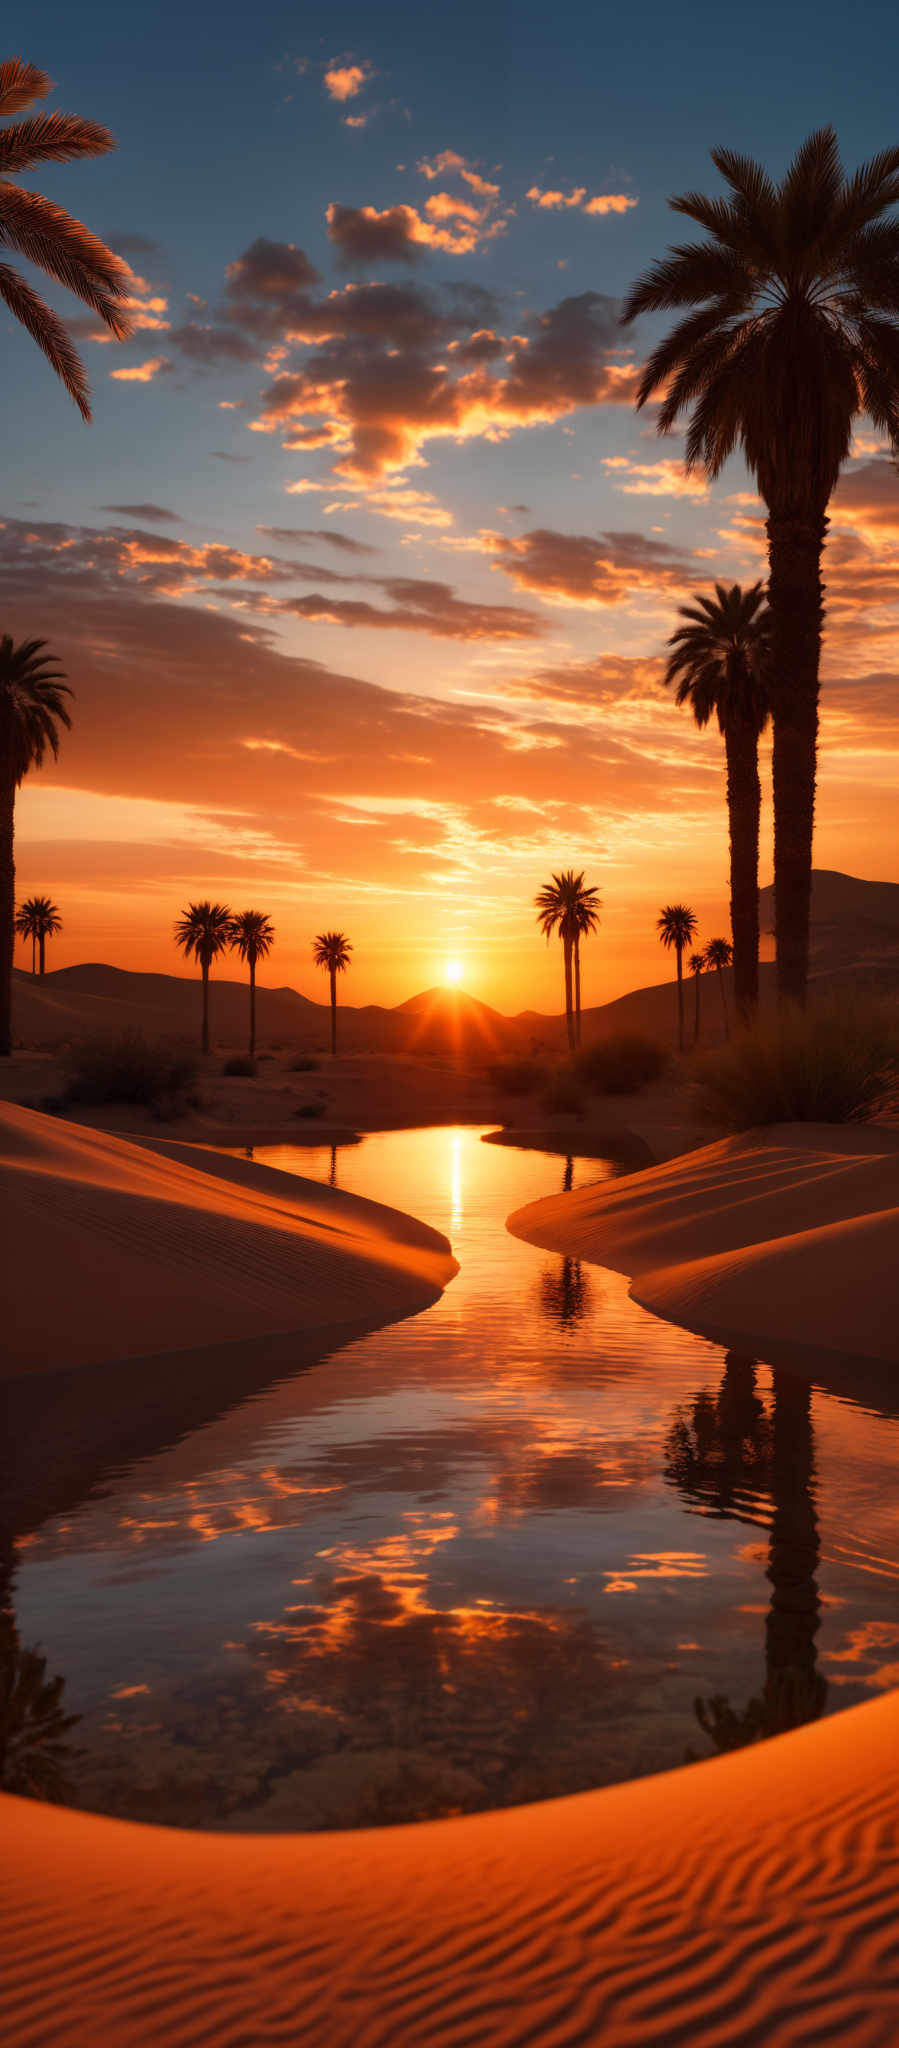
column 719, row 660
column 46, row 235
column 32, row 689
column 34, row 1752
column 719, row 953
column 203, row 931
column 332, row 950
column 567, row 906
column 252, row 934
column 676, row 926
column 792, row 332
column 697, row 964
column 38, row 920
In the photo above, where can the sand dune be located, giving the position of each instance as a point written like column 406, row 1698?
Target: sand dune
column 782, row 1240
column 116, row 1250
column 744, row 1903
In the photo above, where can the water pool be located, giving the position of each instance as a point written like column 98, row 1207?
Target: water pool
column 529, row 1541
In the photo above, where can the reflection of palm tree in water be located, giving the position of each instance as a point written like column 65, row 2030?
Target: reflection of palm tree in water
column 568, row 1177
column 34, row 1753
column 565, row 1293
column 332, row 1170
column 730, row 1447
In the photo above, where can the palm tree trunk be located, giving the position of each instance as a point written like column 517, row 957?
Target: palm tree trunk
column 696, row 1022
column 34, row 952
column 252, row 1008
column 204, row 964
column 333, row 1012
column 42, row 944
column 722, row 986
column 680, row 998
column 744, row 799
column 577, row 990
column 569, row 1001
column 796, row 1690
column 7, row 906
column 795, row 594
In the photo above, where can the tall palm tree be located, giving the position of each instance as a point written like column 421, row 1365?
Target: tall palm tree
column 791, row 333
column 38, row 920
column 203, row 931
column 697, row 964
column 719, row 661
column 567, row 906
column 332, row 950
column 46, row 235
column 32, row 689
column 676, row 926
column 252, row 935
column 719, row 954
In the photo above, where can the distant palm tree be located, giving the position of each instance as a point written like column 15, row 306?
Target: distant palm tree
column 46, row 235
column 252, row 935
column 676, row 926
column 565, row 905
column 791, row 331
column 332, row 950
column 203, row 931
column 697, row 964
column 719, row 954
column 719, row 660
column 38, row 920
column 32, row 689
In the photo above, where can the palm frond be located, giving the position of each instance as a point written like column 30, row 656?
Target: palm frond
column 69, row 252
column 51, row 138
column 20, row 84
column 52, row 337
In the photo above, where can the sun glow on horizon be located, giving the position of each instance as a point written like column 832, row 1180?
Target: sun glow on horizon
column 453, row 972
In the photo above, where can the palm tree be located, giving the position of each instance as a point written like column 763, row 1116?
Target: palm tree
column 565, row 905
column 719, row 661
column 203, row 931
column 38, row 920
column 252, row 935
column 46, row 235
column 719, row 953
column 676, row 926
column 332, row 950
column 791, row 332
column 32, row 689
column 697, row 964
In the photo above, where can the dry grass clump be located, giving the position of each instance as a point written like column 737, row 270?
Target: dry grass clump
column 622, row 1064
column 159, row 1078
column 835, row 1062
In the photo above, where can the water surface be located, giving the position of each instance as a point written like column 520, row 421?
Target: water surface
column 495, row 1552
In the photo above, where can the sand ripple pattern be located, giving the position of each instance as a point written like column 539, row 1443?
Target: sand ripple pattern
column 751, row 1901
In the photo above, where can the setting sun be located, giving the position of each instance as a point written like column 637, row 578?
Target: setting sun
column 453, row 972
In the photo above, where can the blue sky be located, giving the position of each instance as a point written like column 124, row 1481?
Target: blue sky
column 556, row 744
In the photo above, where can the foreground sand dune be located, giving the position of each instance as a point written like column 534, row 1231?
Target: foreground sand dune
column 787, row 1238
column 116, row 1250
column 749, row 1902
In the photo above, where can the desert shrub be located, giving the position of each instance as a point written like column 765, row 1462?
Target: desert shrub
column 518, row 1077
column 242, row 1065
column 833, row 1063
column 304, row 1063
column 623, row 1064
column 310, row 1109
column 563, row 1095
column 154, row 1077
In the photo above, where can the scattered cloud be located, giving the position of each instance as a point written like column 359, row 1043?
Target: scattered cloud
column 419, row 606
column 600, row 203
column 448, row 163
column 205, row 344
column 664, row 479
column 129, row 244
column 400, row 234
column 145, row 512
column 144, row 373
column 344, row 80
column 303, row 535
column 578, row 569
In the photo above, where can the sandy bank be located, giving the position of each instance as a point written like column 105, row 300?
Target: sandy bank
column 114, row 1250
column 786, row 1239
column 747, row 1901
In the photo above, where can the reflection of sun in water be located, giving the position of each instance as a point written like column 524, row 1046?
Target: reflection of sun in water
column 453, row 972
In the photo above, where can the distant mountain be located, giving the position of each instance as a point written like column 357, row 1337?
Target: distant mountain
column 855, row 937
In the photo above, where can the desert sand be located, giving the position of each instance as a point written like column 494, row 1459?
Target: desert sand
column 115, row 1251
column 781, row 1241
column 748, row 1902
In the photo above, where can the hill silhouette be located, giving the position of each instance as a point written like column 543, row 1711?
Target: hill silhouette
column 855, row 937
